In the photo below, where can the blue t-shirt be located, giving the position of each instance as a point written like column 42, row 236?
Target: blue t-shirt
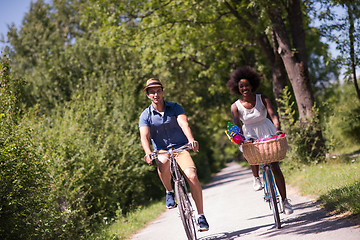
column 165, row 131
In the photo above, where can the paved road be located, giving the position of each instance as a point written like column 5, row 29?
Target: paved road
column 235, row 211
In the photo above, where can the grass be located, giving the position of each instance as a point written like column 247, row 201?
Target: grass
column 124, row 227
column 335, row 184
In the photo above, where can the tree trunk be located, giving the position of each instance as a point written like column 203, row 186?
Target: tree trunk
column 352, row 50
column 296, row 69
column 297, row 31
column 277, row 67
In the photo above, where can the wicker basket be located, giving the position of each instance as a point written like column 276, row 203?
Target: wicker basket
column 265, row 152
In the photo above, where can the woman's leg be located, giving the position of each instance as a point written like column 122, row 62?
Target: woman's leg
column 255, row 170
column 279, row 179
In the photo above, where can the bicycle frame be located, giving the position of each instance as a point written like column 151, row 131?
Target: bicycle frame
column 271, row 194
column 266, row 190
column 185, row 209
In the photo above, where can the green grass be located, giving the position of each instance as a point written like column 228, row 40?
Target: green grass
column 335, row 184
column 124, row 227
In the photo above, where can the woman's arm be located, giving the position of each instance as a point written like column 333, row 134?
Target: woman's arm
column 235, row 114
column 271, row 112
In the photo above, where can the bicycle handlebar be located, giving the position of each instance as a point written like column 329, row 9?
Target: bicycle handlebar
column 154, row 155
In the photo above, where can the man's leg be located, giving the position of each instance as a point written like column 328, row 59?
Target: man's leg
column 196, row 193
column 163, row 167
column 189, row 170
column 195, row 188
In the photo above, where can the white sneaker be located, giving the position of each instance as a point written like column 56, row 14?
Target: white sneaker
column 287, row 207
column 257, row 184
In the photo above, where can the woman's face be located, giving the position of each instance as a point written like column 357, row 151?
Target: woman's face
column 245, row 87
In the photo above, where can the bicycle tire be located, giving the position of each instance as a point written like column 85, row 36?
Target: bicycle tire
column 185, row 209
column 272, row 196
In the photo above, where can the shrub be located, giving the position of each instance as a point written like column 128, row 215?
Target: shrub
column 342, row 119
column 26, row 209
column 303, row 137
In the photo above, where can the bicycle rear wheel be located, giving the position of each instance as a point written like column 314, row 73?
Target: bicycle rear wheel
column 185, row 209
column 272, row 196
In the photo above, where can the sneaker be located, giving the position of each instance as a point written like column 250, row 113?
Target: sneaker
column 170, row 201
column 287, row 207
column 203, row 224
column 257, row 184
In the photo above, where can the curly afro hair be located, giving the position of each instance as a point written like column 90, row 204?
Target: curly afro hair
column 247, row 73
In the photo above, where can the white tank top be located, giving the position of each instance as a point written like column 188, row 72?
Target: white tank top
column 255, row 123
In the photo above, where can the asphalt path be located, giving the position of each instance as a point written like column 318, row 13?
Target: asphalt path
column 235, row 211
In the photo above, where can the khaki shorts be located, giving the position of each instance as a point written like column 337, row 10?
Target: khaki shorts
column 183, row 159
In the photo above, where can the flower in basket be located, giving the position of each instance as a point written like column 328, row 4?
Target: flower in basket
column 234, row 134
column 270, row 138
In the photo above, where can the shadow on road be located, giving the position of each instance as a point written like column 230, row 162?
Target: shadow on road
column 232, row 235
column 227, row 177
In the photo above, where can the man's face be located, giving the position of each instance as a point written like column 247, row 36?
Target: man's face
column 155, row 94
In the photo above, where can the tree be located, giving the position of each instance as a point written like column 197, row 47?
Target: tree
column 344, row 31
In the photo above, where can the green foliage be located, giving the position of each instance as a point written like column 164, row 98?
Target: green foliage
column 84, row 76
column 26, row 207
column 342, row 119
column 93, row 146
column 302, row 137
column 340, row 21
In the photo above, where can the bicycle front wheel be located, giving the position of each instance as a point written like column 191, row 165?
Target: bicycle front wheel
column 185, row 209
column 272, row 196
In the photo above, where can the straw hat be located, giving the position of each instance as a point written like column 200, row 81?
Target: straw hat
column 153, row 82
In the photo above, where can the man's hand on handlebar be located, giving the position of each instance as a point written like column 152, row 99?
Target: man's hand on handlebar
column 148, row 159
column 194, row 145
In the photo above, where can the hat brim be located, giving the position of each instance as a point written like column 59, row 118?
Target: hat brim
column 152, row 85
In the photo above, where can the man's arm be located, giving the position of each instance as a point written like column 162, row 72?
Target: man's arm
column 183, row 123
column 145, row 143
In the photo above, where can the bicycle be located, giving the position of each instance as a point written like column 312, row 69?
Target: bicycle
column 264, row 153
column 271, row 194
column 185, row 208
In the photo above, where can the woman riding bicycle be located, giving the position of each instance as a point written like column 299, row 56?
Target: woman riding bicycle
column 166, row 124
column 251, row 110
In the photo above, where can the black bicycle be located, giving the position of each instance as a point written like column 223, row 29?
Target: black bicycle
column 271, row 194
column 185, row 208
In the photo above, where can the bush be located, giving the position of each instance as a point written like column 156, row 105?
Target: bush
column 96, row 159
column 304, row 138
column 26, row 209
column 342, row 119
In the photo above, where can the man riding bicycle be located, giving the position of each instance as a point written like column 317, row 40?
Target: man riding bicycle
column 166, row 125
